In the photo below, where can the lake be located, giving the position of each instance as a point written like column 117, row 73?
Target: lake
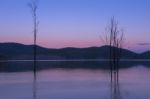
column 73, row 83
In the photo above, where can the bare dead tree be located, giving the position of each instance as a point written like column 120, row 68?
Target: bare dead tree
column 33, row 5
column 115, row 43
column 114, row 38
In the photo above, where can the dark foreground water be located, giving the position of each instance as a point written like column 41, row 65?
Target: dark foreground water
column 74, row 83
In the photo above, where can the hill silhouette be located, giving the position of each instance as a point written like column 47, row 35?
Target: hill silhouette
column 21, row 51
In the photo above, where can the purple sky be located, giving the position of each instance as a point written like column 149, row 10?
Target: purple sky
column 76, row 23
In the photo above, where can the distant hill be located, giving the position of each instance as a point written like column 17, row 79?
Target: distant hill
column 145, row 55
column 21, row 51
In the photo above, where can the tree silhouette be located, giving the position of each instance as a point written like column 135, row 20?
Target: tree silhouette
column 115, row 43
column 33, row 5
column 114, row 38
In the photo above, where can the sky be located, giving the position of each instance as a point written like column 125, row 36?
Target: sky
column 76, row 23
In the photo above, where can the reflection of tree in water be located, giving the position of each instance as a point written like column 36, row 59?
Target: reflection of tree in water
column 115, row 87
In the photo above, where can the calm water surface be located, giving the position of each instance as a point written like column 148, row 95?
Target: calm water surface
column 134, row 83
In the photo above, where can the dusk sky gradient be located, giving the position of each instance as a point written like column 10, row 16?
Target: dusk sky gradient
column 76, row 23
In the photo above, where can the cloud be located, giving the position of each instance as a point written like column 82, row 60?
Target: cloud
column 144, row 44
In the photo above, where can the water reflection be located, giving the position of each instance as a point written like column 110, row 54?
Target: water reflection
column 43, row 65
column 57, row 81
column 115, row 87
column 35, row 86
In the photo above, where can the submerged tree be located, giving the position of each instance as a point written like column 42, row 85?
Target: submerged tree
column 33, row 5
column 114, row 38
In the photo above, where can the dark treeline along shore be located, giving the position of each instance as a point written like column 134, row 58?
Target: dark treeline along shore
column 43, row 65
column 16, row 51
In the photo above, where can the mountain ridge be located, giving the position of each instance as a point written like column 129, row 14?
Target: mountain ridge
column 21, row 51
